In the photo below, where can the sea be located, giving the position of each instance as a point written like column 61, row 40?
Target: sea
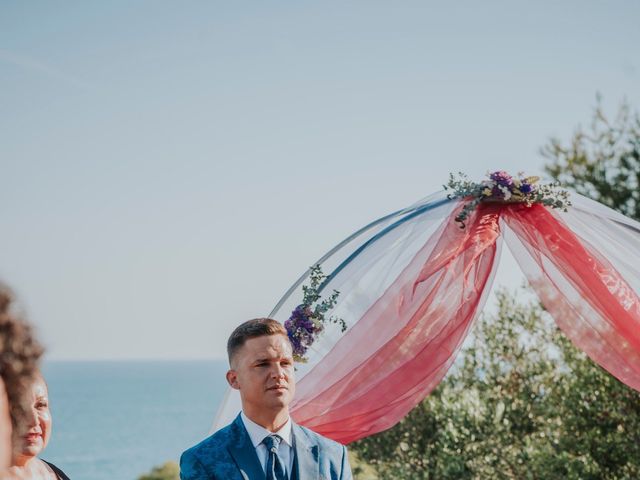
column 116, row 420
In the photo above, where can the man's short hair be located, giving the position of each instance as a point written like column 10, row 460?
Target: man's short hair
column 258, row 327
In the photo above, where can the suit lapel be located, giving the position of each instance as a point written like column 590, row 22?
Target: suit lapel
column 306, row 454
column 243, row 452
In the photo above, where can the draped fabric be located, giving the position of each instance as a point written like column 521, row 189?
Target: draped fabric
column 589, row 298
column 412, row 283
column 432, row 304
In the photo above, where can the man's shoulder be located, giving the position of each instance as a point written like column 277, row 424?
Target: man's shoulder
column 331, row 456
column 316, row 439
column 213, row 443
column 211, row 457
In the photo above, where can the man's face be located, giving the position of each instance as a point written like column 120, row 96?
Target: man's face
column 262, row 370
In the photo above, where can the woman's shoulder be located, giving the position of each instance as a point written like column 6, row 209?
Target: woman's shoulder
column 61, row 475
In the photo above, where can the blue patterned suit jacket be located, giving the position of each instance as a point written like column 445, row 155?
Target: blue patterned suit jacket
column 229, row 454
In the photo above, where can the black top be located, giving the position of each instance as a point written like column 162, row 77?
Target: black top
column 59, row 473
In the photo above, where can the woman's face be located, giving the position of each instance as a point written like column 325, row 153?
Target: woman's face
column 32, row 433
column 5, row 430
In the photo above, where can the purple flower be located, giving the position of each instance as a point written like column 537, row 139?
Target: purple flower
column 298, row 348
column 526, row 188
column 301, row 329
column 502, row 178
column 300, row 319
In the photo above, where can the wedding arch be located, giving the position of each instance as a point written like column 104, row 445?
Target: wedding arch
column 411, row 284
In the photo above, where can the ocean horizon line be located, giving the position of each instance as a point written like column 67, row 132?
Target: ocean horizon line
column 133, row 360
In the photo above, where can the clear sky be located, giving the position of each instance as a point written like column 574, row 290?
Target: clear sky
column 170, row 168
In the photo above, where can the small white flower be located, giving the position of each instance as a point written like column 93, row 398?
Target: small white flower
column 505, row 192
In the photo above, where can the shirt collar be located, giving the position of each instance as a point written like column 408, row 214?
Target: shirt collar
column 257, row 433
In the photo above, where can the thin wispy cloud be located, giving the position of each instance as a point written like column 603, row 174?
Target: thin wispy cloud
column 32, row 64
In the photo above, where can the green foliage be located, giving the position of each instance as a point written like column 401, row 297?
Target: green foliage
column 313, row 300
column 308, row 320
column 602, row 162
column 360, row 469
column 167, row 471
column 522, row 404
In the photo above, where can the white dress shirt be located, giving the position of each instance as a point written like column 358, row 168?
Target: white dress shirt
column 257, row 434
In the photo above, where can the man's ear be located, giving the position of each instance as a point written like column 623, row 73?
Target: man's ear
column 232, row 379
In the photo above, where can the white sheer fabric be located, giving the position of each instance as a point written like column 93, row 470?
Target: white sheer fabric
column 368, row 261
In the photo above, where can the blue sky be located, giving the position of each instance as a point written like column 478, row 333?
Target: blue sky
column 171, row 168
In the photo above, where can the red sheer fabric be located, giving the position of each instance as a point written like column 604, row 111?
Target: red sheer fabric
column 404, row 344
column 590, row 301
column 402, row 347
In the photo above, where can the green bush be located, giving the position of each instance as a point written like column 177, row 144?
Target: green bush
column 167, row 471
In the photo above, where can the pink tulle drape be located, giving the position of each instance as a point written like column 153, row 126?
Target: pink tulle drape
column 405, row 343
column 588, row 298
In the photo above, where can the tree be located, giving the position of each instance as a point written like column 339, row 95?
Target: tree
column 603, row 162
column 514, row 408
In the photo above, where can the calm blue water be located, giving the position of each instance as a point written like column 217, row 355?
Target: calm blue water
column 116, row 420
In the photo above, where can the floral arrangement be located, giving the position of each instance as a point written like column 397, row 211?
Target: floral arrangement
column 308, row 319
column 502, row 187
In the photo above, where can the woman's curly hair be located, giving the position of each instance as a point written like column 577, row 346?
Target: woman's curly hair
column 20, row 352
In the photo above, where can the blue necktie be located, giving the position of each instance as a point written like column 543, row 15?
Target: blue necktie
column 275, row 469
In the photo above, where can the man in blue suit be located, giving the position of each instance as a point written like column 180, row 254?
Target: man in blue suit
column 263, row 442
